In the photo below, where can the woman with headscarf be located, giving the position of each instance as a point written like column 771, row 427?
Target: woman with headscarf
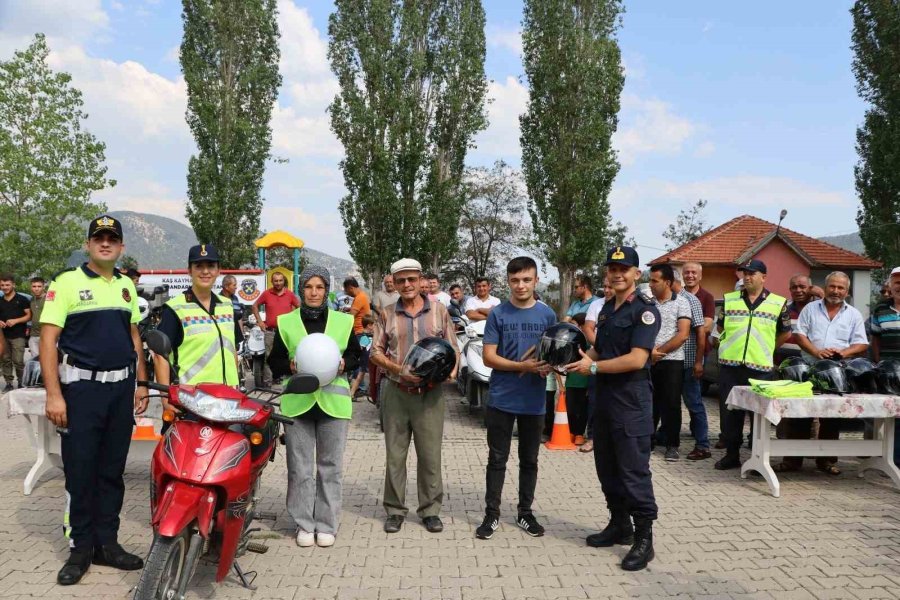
column 316, row 440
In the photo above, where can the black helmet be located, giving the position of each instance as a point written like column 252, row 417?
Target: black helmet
column 827, row 376
column 887, row 374
column 861, row 373
column 559, row 345
column 794, row 368
column 431, row 358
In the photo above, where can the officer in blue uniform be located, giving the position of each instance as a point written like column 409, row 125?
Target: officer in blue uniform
column 623, row 417
column 89, row 351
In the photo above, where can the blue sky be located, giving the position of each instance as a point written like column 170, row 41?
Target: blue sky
column 749, row 106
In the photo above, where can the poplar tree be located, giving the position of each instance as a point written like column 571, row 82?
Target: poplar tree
column 229, row 56
column 876, row 65
column 574, row 70
column 411, row 98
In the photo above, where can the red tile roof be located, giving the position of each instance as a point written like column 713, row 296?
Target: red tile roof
column 742, row 237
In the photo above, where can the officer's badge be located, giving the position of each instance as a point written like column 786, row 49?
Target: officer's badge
column 126, row 295
column 203, row 251
column 85, row 295
column 106, row 222
column 51, row 296
column 648, row 318
column 618, row 254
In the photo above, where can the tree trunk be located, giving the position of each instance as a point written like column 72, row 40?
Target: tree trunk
column 566, row 281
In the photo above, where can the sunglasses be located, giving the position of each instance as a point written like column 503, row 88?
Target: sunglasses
column 402, row 280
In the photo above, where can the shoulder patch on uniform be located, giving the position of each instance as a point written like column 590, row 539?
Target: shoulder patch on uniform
column 61, row 272
column 648, row 318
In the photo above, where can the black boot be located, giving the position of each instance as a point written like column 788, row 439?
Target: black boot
column 619, row 530
column 114, row 555
column 642, row 551
column 76, row 566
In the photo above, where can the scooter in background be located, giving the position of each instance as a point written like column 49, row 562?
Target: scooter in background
column 474, row 377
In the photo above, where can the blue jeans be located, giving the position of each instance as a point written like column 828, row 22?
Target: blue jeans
column 693, row 401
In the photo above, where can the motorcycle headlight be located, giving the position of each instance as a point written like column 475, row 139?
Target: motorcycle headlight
column 214, row 409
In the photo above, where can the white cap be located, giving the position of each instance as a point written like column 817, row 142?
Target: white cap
column 406, row 264
column 895, row 271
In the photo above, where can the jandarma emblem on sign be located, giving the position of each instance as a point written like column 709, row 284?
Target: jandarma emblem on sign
column 618, row 254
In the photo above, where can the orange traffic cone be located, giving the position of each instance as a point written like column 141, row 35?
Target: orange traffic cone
column 561, row 438
column 144, row 432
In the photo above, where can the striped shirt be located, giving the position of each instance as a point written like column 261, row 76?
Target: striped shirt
column 396, row 330
column 885, row 325
column 690, row 346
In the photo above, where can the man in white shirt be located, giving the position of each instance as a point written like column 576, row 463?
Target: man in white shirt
column 434, row 288
column 590, row 319
column 479, row 306
column 828, row 328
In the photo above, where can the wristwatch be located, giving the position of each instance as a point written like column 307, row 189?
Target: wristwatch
column 594, row 368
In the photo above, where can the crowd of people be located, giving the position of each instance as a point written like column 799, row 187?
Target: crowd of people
column 646, row 350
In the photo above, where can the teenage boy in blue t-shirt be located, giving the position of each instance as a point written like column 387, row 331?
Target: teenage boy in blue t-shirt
column 511, row 335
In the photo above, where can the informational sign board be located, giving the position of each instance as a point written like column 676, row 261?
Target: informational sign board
column 250, row 284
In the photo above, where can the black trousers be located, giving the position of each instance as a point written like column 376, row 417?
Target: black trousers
column 101, row 420
column 622, row 448
column 550, row 405
column 729, row 377
column 577, row 409
column 499, row 437
column 667, row 377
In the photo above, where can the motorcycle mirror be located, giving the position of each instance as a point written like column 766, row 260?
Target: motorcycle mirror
column 301, row 383
column 158, row 342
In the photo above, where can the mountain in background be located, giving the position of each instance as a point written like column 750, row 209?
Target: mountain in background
column 158, row 242
column 850, row 241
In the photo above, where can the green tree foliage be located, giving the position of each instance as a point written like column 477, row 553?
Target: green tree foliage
column 490, row 225
column 876, row 64
column 49, row 166
column 689, row 225
column 229, row 56
column 128, row 261
column 574, row 70
column 412, row 94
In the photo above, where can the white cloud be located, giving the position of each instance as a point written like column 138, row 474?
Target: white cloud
column 298, row 135
column 746, row 192
column 650, row 126
column 507, row 100
column 145, row 196
column 505, row 38
column 77, row 20
column 704, row 149
column 304, row 50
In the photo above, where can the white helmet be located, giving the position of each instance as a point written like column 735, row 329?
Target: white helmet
column 143, row 307
column 317, row 354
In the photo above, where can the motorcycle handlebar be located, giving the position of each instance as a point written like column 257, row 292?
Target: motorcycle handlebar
column 155, row 386
column 281, row 419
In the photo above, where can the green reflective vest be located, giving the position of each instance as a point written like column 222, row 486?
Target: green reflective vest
column 207, row 354
column 334, row 398
column 749, row 336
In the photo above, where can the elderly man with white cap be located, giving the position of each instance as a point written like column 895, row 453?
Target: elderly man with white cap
column 412, row 410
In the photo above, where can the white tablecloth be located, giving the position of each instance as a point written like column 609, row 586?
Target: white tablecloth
column 848, row 406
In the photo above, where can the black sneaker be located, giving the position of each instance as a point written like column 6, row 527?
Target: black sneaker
column 672, row 454
column 530, row 525
column 487, row 528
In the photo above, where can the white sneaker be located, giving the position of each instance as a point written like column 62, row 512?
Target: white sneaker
column 324, row 540
column 305, row 539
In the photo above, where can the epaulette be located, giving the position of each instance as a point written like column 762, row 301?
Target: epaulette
column 61, row 272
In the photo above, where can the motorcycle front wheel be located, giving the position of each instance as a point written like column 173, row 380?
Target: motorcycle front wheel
column 258, row 371
column 163, row 568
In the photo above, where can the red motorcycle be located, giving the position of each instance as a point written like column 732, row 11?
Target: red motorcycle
column 205, row 476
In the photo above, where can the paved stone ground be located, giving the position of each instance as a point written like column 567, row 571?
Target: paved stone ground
column 717, row 536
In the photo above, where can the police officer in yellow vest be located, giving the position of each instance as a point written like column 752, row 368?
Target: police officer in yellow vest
column 316, row 440
column 755, row 322
column 201, row 326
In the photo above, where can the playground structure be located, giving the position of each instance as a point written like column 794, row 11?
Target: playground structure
column 276, row 239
